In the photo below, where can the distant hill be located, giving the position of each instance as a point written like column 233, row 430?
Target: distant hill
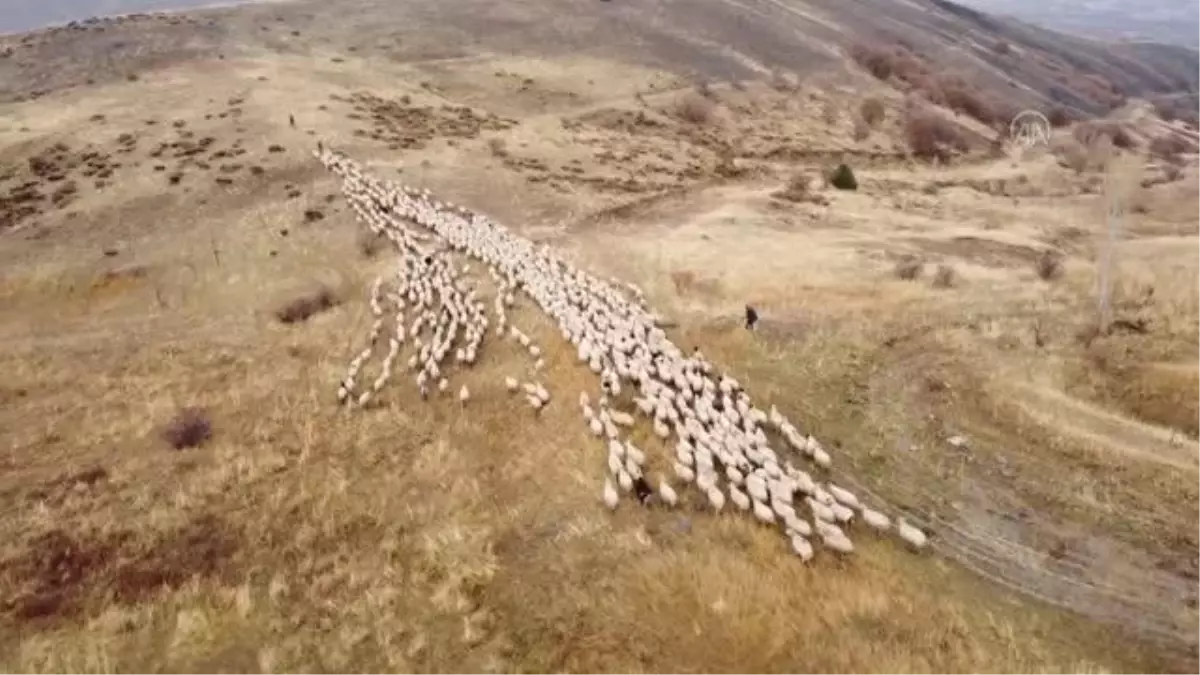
column 1171, row 21
column 1018, row 63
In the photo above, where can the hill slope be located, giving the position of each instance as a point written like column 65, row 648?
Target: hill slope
column 167, row 242
column 717, row 39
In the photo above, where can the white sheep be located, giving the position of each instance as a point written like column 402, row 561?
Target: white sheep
column 913, row 536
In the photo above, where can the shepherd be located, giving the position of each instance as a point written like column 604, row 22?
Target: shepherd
column 751, row 317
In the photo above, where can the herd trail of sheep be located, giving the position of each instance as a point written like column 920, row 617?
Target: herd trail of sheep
column 720, row 441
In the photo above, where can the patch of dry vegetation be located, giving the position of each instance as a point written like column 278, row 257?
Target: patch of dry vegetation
column 872, row 112
column 306, row 305
column 694, row 108
column 949, row 90
column 932, row 137
column 190, row 428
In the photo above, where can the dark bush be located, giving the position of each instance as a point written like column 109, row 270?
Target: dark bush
column 1049, row 265
column 190, row 428
column 303, row 307
column 843, row 178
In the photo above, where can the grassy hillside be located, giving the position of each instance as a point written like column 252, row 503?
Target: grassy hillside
column 936, row 328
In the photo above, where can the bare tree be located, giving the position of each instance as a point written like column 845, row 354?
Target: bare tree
column 1119, row 177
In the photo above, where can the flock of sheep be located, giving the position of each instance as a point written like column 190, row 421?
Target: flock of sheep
column 720, row 439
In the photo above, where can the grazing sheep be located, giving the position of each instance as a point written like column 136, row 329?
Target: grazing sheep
column 667, row 493
column 718, row 432
column 911, row 535
column 802, row 548
column 611, row 497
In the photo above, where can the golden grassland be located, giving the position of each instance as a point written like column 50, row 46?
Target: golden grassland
column 432, row 536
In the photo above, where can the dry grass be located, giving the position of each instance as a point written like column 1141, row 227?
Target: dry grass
column 426, row 536
column 799, row 189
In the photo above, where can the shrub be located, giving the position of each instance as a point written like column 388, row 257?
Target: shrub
column 1049, row 265
column 1091, row 133
column 303, row 307
column 1168, row 147
column 960, row 97
column 909, row 267
column 932, row 137
column 843, row 178
column 498, row 147
column 1058, row 117
column 190, row 428
column 783, row 82
column 1072, row 155
column 1121, row 138
column 695, row 109
column 945, row 277
column 872, row 111
column 879, row 63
